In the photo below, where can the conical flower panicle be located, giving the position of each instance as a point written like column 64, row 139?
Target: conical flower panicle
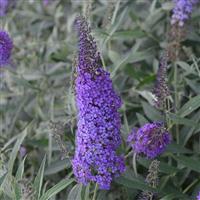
column 182, row 11
column 6, row 46
column 98, row 134
column 161, row 90
column 150, row 140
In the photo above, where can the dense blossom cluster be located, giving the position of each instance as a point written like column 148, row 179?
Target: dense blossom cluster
column 161, row 90
column 150, row 140
column 6, row 46
column 98, row 134
column 182, row 10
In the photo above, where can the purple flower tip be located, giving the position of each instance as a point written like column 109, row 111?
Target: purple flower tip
column 3, row 7
column 22, row 151
column 150, row 140
column 98, row 134
column 6, row 46
column 182, row 10
column 198, row 197
column 46, row 2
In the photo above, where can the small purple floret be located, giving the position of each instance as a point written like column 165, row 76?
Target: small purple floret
column 182, row 11
column 150, row 140
column 198, row 197
column 6, row 46
column 98, row 134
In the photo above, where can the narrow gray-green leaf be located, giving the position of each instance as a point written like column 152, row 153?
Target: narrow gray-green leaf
column 180, row 120
column 39, row 179
column 56, row 189
column 15, row 150
column 57, row 166
column 142, row 119
column 190, row 106
column 87, row 192
column 20, row 170
column 75, row 192
column 151, row 112
column 192, row 163
column 2, row 179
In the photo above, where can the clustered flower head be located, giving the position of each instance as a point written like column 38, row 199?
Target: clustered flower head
column 182, row 10
column 98, row 134
column 6, row 46
column 150, row 140
column 161, row 90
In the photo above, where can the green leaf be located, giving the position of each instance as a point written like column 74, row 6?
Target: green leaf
column 174, row 196
column 177, row 148
column 20, row 170
column 132, row 57
column 142, row 120
column 151, row 112
column 190, row 106
column 186, row 67
column 194, row 84
column 179, row 120
column 189, row 162
column 37, row 185
column 56, row 189
column 75, row 192
column 134, row 183
column 15, row 150
column 87, row 192
column 187, row 132
column 114, row 56
column 2, row 178
column 132, row 34
column 57, row 166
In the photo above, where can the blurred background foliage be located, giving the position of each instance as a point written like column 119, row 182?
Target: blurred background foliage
column 37, row 90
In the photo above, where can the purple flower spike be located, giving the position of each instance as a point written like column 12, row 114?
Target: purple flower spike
column 182, row 11
column 198, row 197
column 6, row 46
column 161, row 90
column 150, row 140
column 3, row 7
column 98, row 134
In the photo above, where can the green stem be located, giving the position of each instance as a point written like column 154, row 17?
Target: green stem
column 176, row 98
column 134, row 164
column 193, row 183
column 95, row 192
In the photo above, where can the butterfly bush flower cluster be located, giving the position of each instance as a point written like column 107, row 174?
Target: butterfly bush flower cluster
column 6, row 46
column 182, row 10
column 161, row 90
column 150, row 140
column 98, row 134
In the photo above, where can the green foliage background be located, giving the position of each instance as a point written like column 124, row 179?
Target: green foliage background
column 38, row 88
